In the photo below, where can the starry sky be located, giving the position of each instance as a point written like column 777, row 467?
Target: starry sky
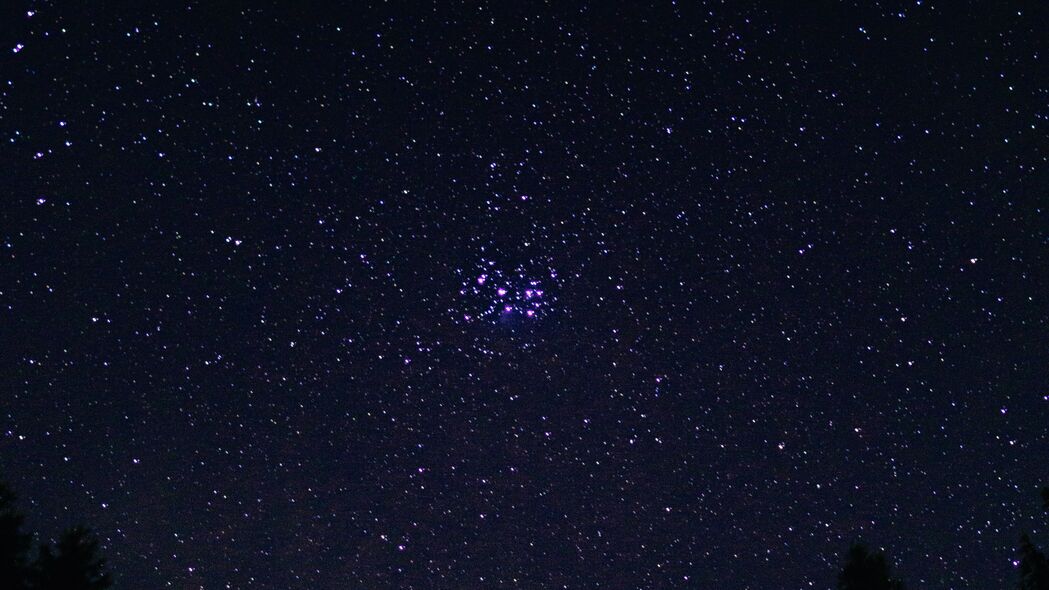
column 526, row 294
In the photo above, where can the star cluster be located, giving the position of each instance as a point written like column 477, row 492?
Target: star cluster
column 493, row 294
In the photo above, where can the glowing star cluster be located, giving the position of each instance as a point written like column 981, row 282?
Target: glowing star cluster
column 492, row 294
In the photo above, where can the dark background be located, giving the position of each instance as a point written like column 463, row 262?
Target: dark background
column 793, row 263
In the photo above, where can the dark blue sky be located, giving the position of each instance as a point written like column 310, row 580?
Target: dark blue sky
column 527, row 295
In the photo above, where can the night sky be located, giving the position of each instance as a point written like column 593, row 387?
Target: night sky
column 527, row 295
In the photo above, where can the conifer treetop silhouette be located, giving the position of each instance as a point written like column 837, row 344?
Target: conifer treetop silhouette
column 1033, row 565
column 1033, row 568
column 866, row 570
column 14, row 544
column 74, row 564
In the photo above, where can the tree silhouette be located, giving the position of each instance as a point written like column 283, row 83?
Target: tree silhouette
column 14, row 544
column 1034, row 567
column 73, row 565
column 1034, row 570
column 864, row 570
